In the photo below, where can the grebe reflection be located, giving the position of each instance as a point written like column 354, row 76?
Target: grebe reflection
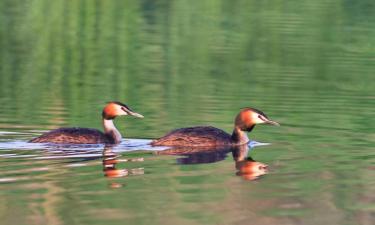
column 245, row 166
column 110, row 162
column 111, row 159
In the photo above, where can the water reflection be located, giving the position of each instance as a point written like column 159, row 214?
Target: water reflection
column 114, row 163
column 110, row 163
column 245, row 166
column 110, row 160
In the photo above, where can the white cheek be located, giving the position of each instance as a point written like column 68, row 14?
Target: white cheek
column 120, row 112
column 256, row 119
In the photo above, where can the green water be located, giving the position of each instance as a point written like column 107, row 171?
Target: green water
column 307, row 64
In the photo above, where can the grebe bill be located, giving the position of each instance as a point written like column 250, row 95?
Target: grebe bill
column 76, row 135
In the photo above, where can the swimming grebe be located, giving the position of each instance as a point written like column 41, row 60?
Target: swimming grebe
column 76, row 135
column 201, row 136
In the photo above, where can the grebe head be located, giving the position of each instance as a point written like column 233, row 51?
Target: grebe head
column 114, row 109
column 247, row 118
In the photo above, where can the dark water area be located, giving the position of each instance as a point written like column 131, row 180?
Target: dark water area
column 307, row 64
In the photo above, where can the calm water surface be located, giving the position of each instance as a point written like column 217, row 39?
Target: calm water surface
column 307, row 64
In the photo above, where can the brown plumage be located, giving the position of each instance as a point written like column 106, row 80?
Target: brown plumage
column 201, row 136
column 76, row 135
column 195, row 137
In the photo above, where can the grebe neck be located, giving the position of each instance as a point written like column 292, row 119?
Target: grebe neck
column 239, row 137
column 111, row 131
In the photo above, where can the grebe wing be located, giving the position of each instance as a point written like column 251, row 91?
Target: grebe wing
column 72, row 135
column 194, row 136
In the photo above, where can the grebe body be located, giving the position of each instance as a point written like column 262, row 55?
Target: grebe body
column 76, row 135
column 73, row 135
column 195, row 137
column 202, row 136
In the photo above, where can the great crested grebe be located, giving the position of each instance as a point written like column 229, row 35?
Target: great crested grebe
column 77, row 135
column 202, row 136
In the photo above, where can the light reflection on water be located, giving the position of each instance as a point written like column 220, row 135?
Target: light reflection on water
column 79, row 155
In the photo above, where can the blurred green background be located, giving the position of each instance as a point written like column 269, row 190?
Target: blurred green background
column 182, row 63
column 307, row 64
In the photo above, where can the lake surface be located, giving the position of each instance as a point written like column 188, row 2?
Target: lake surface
column 307, row 64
